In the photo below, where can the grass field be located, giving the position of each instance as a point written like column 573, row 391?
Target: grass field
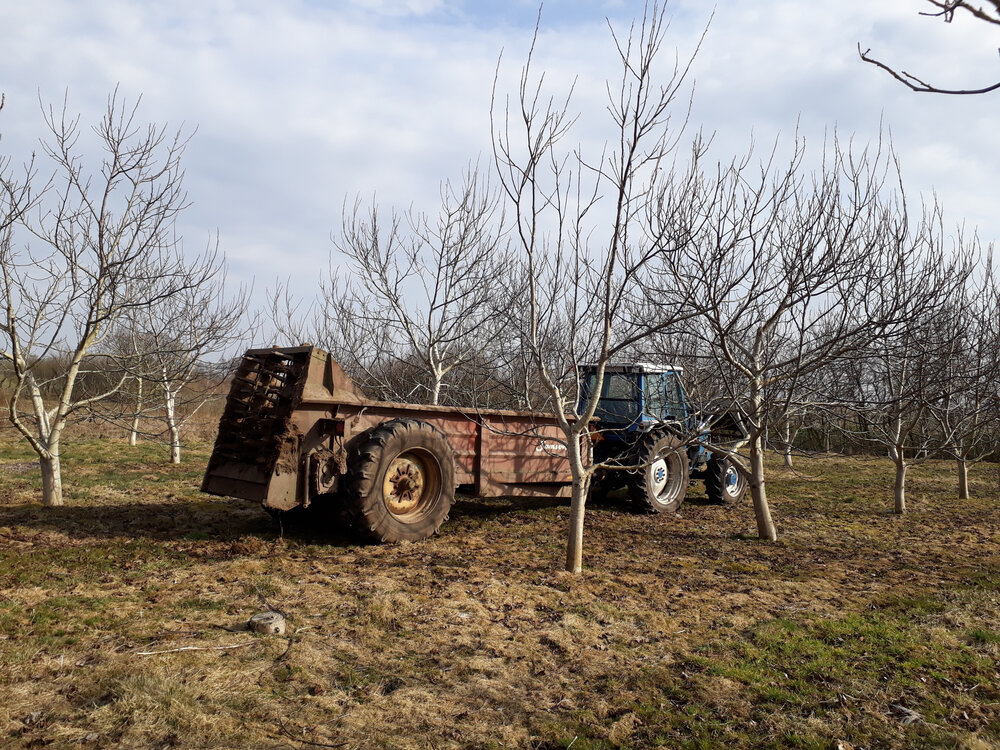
column 856, row 629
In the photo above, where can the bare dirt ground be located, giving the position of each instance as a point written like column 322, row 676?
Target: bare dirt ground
column 857, row 627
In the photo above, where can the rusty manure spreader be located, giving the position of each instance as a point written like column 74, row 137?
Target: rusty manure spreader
column 296, row 432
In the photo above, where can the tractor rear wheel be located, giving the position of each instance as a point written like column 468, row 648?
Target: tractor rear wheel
column 662, row 482
column 401, row 482
column 724, row 484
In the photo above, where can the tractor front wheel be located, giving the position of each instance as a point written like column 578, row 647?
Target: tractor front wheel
column 724, row 483
column 662, row 482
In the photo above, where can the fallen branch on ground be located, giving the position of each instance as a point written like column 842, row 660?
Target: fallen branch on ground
column 192, row 648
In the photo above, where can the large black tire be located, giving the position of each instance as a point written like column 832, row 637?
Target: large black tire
column 724, row 484
column 662, row 482
column 401, row 482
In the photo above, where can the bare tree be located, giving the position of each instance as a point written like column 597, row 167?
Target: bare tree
column 124, row 353
column 793, row 415
column 787, row 272
column 969, row 413
column 582, row 232
column 898, row 396
column 945, row 10
column 418, row 296
column 97, row 244
column 171, row 345
column 902, row 384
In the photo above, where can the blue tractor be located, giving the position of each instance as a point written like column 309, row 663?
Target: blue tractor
column 644, row 421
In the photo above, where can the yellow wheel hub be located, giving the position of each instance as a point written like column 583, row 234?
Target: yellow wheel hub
column 403, row 487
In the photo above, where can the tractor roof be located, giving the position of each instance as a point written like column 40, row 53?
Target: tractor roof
column 633, row 367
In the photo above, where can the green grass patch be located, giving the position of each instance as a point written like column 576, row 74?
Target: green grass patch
column 984, row 637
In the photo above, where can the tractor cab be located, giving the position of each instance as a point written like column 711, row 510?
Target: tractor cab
column 635, row 396
column 645, row 427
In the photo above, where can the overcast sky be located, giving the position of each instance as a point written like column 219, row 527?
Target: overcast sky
column 299, row 104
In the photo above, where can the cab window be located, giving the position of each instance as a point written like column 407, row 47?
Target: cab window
column 675, row 396
column 656, row 397
column 619, row 397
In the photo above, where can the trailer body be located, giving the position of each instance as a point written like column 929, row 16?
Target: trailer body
column 295, row 429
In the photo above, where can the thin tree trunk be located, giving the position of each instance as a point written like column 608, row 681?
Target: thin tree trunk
column 899, row 489
column 574, row 548
column 963, row 479
column 577, row 507
column 762, row 512
column 133, row 435
column 175, row 445
column 48, row 459
column 52, row 495
column 172, row 428
column 788, row 445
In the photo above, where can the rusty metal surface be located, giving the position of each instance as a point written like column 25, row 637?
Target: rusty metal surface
column 256, row 435
column 278, row 440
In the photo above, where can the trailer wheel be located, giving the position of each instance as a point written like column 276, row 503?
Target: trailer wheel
column 661, row 484
column 724, row 484
column 401, row 482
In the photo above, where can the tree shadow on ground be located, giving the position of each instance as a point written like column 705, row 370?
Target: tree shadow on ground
column 478, row 507
column 163, row 521
column 229, row 520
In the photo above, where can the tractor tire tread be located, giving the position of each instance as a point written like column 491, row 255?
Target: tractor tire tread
column 715, row 483
column 638, row 485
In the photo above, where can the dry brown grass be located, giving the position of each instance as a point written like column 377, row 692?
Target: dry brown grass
column 682, row 632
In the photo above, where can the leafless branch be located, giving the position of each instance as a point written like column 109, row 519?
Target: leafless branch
column 916, row 84
column 945, row 10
